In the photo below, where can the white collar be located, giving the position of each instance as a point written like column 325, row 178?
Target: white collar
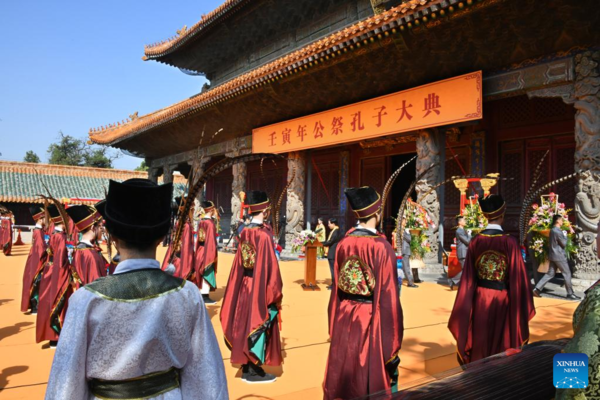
column 37, row 226
column 368, row 229
column 255, row 221
column 86, row 242
column 494, row 226
column 56, row 228
column 135, row 264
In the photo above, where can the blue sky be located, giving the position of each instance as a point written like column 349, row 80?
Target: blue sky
column 73, row 65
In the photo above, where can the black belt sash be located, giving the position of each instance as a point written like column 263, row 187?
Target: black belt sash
column 150, row 385
column 356, row 297
column 496, row 285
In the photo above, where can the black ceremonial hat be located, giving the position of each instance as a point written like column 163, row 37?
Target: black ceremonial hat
column 54, row 214
column 137, row 210
column 493, row 206
column 37, row 212
column 208, row 206
column 257, row 201
column 365, row 201
column 83, row 216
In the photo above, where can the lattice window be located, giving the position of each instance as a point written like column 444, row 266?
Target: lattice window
column 565, row 165
column 452, row 195
column 511, row 167
column 521, row 111
column 550, row 109
column 321, row 205
column 373, row 174
column 515, row 111
column 533, row 159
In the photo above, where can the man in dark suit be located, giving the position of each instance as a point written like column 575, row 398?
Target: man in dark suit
column 335, row 235
column 462, row 244
column 558, row 260
column 406, row 253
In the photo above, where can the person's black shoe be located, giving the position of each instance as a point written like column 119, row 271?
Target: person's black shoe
column 573, row 296
column 329, row 287
column 257, row 375
column 412, row 286
column 244, row 372
column 451, row 285
column 536, row 293
column 53, row 344
column 208, row 300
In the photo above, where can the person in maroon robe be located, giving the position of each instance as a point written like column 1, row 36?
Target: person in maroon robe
column 35, row 262
column 88, row 263
column 253, row 295
column 6, row 234
column 185, row 268
column 207, row 252
column 365, row 316
column 55, row 287
column 494, row 303
column 181, row 265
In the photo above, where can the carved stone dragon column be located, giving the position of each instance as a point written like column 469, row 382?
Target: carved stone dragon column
column 587, row 158
column 295, row 198
column 584, row 94
column 429, row 149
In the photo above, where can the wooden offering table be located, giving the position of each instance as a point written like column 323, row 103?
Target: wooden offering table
column 310, row 266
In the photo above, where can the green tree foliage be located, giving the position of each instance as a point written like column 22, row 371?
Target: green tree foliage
column 72, row 151
column 142, row 167
column 31, row 157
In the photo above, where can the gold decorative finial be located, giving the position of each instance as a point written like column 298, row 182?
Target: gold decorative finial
column 183, row 30
column 134, row 116
column 487, row 184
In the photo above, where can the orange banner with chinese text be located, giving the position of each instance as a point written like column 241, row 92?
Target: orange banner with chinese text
column 445, row 102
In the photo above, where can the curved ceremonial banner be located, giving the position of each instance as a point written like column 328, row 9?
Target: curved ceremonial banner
column 445, row 102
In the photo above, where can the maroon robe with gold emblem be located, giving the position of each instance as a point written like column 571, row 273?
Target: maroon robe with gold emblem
column 33, row 268
column 6, row 238
column 88, row 265
column 206, row 253
column 365, row 319
column 494, row 302
column 252, row 299
column 55, row 289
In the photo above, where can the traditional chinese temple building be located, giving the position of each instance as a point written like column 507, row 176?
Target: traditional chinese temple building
column 349, row 90
column 21, row 184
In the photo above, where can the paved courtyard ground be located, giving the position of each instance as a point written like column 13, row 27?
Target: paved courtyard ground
column 428, row 348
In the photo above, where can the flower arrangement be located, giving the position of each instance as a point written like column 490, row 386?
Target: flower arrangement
column 474, row 217
column 416, row 217
column 302, row 239
column 419, row 245
column 541, row 223
column 417, row 220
